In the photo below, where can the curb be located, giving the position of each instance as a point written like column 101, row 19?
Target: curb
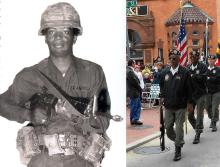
column 142, row 141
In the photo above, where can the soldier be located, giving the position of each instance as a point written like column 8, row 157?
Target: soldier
column 176, row 95
column 197, row 71
column 213, row 85
column 63, row 131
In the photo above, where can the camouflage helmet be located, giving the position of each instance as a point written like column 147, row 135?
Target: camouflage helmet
column 60, row 14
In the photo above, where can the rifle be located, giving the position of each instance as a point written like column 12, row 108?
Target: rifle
column 83, row 117
column 162, row 130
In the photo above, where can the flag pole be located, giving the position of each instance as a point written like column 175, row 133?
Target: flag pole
column 128, row 56
column 181, row 15
column 181, row 11
column 206, row 40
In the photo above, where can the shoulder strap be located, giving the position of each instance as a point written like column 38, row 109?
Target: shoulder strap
column 54, row 88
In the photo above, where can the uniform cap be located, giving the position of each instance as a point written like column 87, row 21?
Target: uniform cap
column 212, row 56
column 60, row 14
column 194, row 53
column 174, row 52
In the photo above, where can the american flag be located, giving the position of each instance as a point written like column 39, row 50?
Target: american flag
column 182, row 43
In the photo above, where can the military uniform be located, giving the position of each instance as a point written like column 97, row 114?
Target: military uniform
column 213, row 97
column 82, row 80
column 197, row 73
column 176, row 91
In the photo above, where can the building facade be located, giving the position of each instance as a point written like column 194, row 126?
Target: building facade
column 153, row 27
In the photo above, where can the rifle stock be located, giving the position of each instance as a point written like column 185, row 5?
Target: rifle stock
column 162, row 130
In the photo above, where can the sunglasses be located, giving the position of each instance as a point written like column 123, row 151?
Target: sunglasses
column 172, row 58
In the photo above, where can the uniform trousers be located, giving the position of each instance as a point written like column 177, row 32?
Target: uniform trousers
column 212, row 106
column 177, row 117
column 197, row 123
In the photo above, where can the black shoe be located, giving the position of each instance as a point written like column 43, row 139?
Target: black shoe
column 177, row 155
column 197, row 138
column 136, row 122
column 214, row 128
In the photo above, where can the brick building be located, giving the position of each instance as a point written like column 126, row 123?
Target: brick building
column 153, row 27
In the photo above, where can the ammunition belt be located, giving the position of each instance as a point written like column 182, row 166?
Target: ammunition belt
column 62, row 143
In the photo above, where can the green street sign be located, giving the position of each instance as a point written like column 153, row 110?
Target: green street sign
column 137, row 11
column 131, row 3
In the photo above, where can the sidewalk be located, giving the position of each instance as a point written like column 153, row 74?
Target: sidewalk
column 204, row 154
column 150, row 128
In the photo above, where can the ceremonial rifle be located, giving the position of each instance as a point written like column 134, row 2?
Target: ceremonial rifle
column 162, row 130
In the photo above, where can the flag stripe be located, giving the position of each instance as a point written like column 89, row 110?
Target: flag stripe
column 183, row 46
column 182, row 43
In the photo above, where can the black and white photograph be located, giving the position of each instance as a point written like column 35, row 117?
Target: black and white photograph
column 62, row 83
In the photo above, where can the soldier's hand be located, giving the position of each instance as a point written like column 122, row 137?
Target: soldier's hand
column 189, row 107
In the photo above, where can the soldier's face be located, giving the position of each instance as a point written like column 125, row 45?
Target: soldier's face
column 60, row 40
column 194, row 59
column 211, row 61
column 174, row 60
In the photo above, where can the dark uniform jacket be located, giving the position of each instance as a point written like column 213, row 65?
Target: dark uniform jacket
column 83, row 79
column 198, row 80
column 133, row 84
column 176, row 89
column 213, row 80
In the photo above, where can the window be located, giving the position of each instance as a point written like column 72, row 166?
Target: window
column 174, row 35
column 134, row 37
column 195, row 32
column 195, row 42
column 136, row 54
column 142, row 10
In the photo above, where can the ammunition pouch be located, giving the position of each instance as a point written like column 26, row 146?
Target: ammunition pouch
column 94, row 152
column 90, row 148
column 65, row 143
column 27, row 144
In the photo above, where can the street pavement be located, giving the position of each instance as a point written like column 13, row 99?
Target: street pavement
column 204, row 154
column 151, row 125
